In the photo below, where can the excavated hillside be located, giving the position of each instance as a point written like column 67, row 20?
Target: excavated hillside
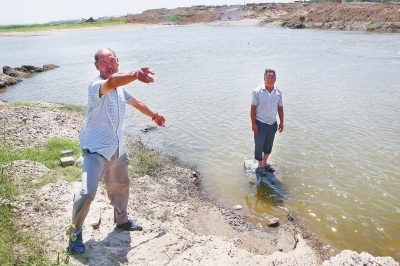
column 344, row 16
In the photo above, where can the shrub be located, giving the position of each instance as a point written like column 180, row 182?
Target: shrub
column 175, row 17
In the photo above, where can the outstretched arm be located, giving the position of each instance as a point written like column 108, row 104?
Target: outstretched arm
column 120, row 79
column 157, row 118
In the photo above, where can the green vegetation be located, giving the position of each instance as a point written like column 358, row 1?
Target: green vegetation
column 372, row 25
column 26, row 248
column 285, row 22
column 49, row 156
column 6, row 219
column 23, row 104
column 175, row 17
column 144, row 162
column 68, row 108
column 60, row 26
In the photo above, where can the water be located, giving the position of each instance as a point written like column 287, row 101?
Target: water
column 340, row 150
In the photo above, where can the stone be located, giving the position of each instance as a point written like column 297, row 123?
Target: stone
column 6, row 80
column 67, row 153
column 273, row 222
column 237, row 207
column 250, row 167
column 79, row 162
column 148, row 128
column 252, row 181
column 67, row 161
column 49, row 66
column 12, row 76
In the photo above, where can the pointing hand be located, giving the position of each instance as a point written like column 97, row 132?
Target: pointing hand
column 143, row 75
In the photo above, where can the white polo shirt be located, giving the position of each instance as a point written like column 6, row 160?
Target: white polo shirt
column 266, row 104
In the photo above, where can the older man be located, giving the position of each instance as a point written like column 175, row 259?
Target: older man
column 102, row 143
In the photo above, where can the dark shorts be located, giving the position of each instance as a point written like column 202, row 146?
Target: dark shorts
column 264, row 139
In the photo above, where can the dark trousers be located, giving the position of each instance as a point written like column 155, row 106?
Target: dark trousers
column 264, row 139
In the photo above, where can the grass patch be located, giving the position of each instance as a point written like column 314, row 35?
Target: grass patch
column 144, row 162
column 16, row 248
column 49, row 156
column 174, row 17
column 6, row 232
column 59, row 26
column 23, row 104
column 285, row 23
column 372, row 25
column 69, row 108
column 70, row 174
column 26, row 248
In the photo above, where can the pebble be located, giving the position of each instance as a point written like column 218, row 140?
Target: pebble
column 273, row 222
column 237, row 207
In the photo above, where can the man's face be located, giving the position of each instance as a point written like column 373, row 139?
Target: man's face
column 107, row 63
column 269, row 79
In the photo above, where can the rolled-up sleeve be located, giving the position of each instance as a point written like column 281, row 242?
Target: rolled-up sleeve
column 127, row 95
column 94, row 91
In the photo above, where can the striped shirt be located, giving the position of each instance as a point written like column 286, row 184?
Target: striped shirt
column 267, row 104
column 101, row 131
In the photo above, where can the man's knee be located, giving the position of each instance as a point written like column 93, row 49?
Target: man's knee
column 89, row 196
column 86, row 198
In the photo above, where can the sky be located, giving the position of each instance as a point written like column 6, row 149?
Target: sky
column 42, row 11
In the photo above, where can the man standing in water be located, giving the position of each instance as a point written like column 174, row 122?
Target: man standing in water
column 266, row 103
column 102, row 144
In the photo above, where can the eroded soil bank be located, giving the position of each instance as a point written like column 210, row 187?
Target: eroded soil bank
column 340, row 16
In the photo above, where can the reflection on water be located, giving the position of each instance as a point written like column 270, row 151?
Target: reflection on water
column 267, row 192
column 265, row 195
column 339, row 152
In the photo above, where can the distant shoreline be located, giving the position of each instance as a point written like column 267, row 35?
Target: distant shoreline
column 72, row 30
column 371, row 17
column 244, row 22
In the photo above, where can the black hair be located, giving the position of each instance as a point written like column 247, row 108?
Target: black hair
column 268, row 70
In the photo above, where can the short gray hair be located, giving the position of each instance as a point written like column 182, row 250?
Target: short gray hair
column 96, row 55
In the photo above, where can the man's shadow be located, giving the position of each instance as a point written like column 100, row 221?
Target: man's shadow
column 117, row 239
column 270, row 185
column 267, row 192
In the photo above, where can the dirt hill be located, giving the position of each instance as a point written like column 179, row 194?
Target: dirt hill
column 344, row 16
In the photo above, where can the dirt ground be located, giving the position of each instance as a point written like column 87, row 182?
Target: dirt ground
column 180, row 226
column 344, row 16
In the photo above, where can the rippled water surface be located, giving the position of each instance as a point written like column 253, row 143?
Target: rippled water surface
column 339, row 153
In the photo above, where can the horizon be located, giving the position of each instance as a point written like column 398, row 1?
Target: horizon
column 23, row 12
